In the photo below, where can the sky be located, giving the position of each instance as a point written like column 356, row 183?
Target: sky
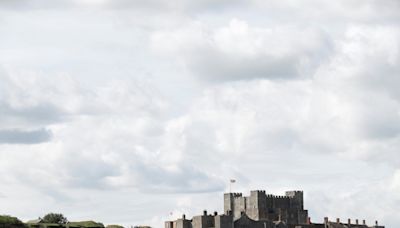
column 135, row 112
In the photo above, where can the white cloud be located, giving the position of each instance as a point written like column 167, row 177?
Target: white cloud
column 395, row 185
column 150, row 103
column 239, row 51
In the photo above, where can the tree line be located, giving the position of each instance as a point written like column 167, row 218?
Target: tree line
column 49, row 220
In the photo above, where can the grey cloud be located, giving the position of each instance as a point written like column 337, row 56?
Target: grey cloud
column 16, row 136
column 43, row 113
column 381, row 123
column 186, row 179
column 342, row 11
column 70, row 4
column 82, row 172
column 88, row 173
column 187, row 6
column 222, row 67
column 379, row 75
column 241, row 51
column 34, row 4
column 179, row 5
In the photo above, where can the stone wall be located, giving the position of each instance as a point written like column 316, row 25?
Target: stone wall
column 223, row 221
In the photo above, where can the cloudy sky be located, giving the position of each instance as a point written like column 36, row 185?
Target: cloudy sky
column 134, row 112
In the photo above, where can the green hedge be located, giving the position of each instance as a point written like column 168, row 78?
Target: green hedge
column 83, row 224
column 114, row 226
column 88, row 224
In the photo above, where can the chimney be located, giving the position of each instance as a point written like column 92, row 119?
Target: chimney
column 356, row 221
column 215, row 213
column 308, row 220
column 376, row 223
column 205, row 212
column 326, row 220
column 364, row 222
column 348, row 221
column 338, row 220
column 183, row 216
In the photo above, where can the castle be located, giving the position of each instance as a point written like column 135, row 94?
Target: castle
column 261, row 210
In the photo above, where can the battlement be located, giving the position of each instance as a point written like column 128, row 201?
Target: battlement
column 270, row 196
column 288, row 194
column 257, row 193
column 349, row 222
column 236, row 194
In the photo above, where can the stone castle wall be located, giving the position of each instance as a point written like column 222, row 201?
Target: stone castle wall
column 260, row 206
column 260, row 210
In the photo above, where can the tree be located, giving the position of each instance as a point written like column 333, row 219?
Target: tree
column 9, row 220
column 54, row 218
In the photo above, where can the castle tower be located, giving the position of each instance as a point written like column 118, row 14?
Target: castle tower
column 234, row 204
column 297, row 202
column 228, row 203
column 257, row 208
column 296, row 199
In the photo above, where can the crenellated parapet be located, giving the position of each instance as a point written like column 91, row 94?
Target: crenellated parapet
column 277, row 197
column 350, row 223
column 237, row 194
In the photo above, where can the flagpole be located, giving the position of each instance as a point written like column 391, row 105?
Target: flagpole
column 230, row 184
